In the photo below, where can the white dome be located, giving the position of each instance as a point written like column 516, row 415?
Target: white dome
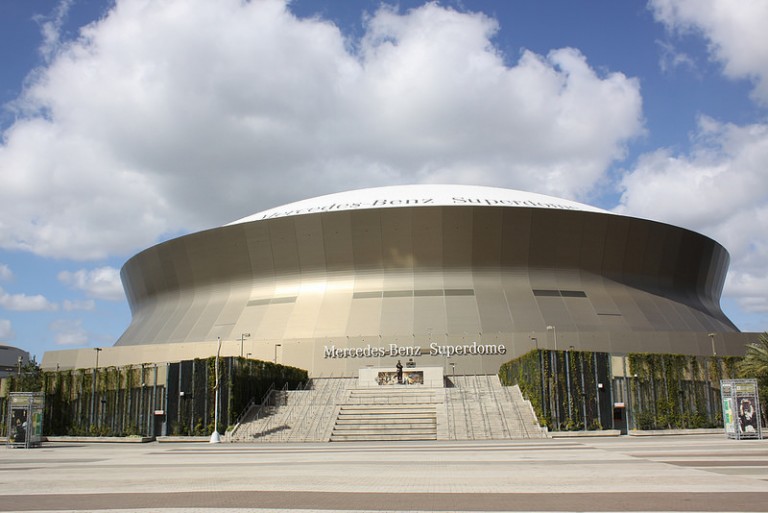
column 421, row 195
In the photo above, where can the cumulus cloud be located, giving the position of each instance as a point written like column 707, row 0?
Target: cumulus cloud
column 164, row 117
column 6, row 331
column 69, row 332
column 100, row 283
column 735, row 32
column 25, row 303
column 672, row 58
column 70, row 305
column 5, row 273
column 718, row 188
column 50, row 27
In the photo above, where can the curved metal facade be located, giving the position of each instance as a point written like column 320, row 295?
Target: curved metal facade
column 424, row 275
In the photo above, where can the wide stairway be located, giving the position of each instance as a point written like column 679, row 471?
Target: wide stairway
column 387, row 414
column 337, row 409
column 480, row 408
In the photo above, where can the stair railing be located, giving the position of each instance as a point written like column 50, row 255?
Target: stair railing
column 496, row 389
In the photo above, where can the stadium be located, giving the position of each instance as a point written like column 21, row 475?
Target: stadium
column 457, row 275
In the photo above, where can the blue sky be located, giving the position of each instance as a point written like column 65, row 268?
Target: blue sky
column 126, row 123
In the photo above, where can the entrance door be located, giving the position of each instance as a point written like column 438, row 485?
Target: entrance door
column 620, row 418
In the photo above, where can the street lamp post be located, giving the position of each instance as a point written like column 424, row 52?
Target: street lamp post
column 215, row 438
column 554, row 333
column 554, row 362
column 709, row 376
column 243, row 336
column 540, row 356
column 93, row 387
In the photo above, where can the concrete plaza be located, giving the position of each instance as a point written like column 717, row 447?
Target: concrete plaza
column 663, row 473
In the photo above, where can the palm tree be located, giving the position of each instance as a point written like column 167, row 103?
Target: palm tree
column 755, row 365
column 755, row 362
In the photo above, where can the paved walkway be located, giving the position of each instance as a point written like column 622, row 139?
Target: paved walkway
column 672, row 473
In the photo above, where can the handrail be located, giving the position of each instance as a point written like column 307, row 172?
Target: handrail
column 520, row 413
column 450, row 415
column 468, row 425
column 507, row 433
column 264, row 401
column 267, row 425
column 247, row 409
column 242, row 415
column 481, row 407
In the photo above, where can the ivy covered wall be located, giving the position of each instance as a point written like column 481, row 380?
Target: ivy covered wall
column 568, row 389
column 673, row 391
column 573, row 389
column 147, row 399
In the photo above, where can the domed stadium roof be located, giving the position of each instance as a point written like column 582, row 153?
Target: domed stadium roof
column 422, row 195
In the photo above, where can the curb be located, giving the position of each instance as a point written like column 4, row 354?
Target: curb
column 100, row 439
column 677, row 432
column 584, row 434
column 182, row 439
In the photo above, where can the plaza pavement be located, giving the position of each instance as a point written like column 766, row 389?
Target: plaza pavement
column 665, row 473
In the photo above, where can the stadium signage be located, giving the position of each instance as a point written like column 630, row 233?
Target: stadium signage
column 411, row 202
column 394, row 350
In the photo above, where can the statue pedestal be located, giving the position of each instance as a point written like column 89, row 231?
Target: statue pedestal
column 370, row 377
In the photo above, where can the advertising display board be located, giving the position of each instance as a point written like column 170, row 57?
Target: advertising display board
column 25, row 419
column 741, row 408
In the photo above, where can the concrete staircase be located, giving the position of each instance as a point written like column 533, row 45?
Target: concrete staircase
column 395, row 413
column 479, row 408
column 294, row 415
column 336, row 409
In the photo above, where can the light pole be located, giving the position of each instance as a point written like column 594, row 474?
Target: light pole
column 276, row 346
column 243, row 336
column 554, row 332
column 215, row 438
column 554, row 362
column 712, row 338
column 93, row 387
column 568, row 357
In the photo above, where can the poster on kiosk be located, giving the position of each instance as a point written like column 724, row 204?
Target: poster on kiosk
column 25, row 419
column 741, row 408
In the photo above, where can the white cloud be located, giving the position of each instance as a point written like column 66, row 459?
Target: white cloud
column 172, row 116
column 735, row 31
column 5, row 273
column 50, row 27
column 719, row 186
column 25, row 303
column 671, row 58
column 719, row 189
column 69, row 332
column 70, row 305
column 6, row 331
column 100, row 283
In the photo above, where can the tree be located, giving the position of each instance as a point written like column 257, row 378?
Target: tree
column 28, row 379
column 755, row 365
column 755, row 362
